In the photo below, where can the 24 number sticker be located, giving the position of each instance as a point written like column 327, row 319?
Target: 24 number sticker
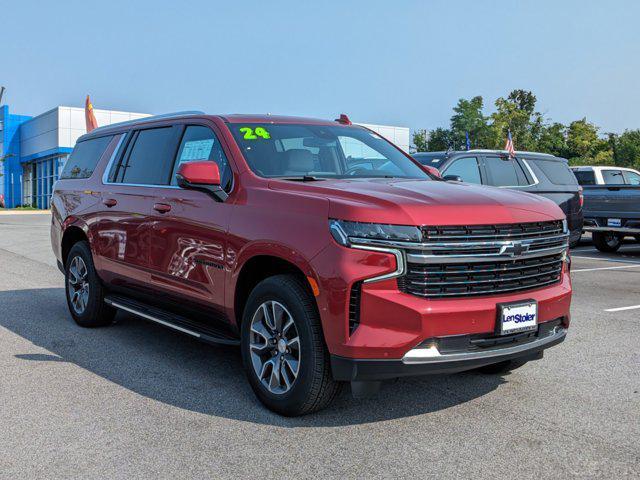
column 253, row 134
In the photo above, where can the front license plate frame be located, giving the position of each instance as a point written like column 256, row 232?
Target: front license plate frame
column 508, row 321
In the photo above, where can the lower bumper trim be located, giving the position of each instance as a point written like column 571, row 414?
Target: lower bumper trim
column 426, row 362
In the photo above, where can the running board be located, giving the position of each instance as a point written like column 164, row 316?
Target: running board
column 182, row 324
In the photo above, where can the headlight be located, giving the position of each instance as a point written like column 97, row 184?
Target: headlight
column 344, row 231
column 565, row 226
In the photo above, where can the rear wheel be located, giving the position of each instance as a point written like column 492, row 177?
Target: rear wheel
column 607, row 241
column 283, row 350
column 85, row 293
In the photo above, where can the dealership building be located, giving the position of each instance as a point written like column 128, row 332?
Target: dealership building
column 33, row 150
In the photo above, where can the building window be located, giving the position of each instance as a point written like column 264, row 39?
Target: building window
column 38, row 178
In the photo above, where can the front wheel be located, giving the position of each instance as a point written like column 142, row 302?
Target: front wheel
column 283, row 350
column 608, row 242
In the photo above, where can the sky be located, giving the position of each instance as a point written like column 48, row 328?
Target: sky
column 391, row 62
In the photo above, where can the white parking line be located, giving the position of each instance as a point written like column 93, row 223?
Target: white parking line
column 603, row 268
column 620, row 309
column 606, row 259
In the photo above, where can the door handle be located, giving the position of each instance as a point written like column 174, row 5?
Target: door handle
column 161, row 207
column 110, row 202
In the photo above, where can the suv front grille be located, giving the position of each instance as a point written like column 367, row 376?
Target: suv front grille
column 442, row 280
column 460, row 261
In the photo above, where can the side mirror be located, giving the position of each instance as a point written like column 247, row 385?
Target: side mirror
column 452, row 178
column 204, row 176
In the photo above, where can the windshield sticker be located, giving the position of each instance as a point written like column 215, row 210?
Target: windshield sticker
column 254, row 134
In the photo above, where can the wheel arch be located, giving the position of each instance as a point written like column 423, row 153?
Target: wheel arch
column 260, row 267
column 72, row 235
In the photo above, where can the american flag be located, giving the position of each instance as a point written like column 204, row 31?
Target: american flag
column 509, row 146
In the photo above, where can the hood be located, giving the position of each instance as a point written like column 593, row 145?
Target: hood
column 425, row 202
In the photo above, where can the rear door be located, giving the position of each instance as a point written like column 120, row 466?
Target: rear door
column 189, row 232
column 131, row 188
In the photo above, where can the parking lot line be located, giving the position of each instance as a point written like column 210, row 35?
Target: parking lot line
column 605, row 259
column 603, row 268
column 620, row 309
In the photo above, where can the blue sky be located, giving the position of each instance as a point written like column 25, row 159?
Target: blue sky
column 391, row 62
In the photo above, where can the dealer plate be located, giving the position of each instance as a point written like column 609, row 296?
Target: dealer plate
column 614, row 222
column 518, row 317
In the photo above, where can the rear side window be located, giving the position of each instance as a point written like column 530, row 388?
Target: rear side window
column 557, row 172
column 585, row 177
column 505, row 172
column 466, row 168
column 612, row 177
column 632, row 178
column 84, row 158
column 149, row 160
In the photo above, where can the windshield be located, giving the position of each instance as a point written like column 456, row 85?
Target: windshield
column 320, row 151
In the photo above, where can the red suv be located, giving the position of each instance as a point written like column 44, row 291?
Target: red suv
column 321, row 249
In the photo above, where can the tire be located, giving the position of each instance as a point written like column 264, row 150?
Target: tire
column 607, row 241
column 501, row 367
column 575, row 243
column 84, row 291
column 289, row 391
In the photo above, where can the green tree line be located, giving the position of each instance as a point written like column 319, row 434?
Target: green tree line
column 580, row 142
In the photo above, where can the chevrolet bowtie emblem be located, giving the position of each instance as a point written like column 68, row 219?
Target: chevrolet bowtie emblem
column 515, row 249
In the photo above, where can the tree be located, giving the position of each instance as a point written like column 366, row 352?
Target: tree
column 582, row 139
column 553, row 139
column 439, row 139
column 517, row 114
column 468, row 118
column 420, row 140
column 626, row 148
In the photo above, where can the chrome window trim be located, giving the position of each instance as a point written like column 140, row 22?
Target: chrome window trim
column 533, row 176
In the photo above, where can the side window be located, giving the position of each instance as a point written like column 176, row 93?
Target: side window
column 612, row 177
column 149, row 160
column 557, row 171
column 585, row 177
column 200, row 143
column 505, row 172
column 84, row 158
column 632, row 178
column 466, row 168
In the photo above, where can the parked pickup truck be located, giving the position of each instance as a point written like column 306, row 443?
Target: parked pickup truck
column 611, row 204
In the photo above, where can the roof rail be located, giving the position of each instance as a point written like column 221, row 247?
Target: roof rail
column 151, row 118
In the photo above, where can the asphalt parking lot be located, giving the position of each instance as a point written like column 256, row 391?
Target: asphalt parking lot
column 135, row 400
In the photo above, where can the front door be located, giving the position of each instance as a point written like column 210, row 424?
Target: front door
column 189, row 229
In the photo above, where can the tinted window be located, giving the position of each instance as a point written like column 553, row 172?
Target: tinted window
column 505, row 172
column 200, row 143
column 585, row 177
column 147, row 161
column 466, row 168
column 556, row 171
column 324, row 151
column 632, row 178
column 433, row 160
column 84, row 158
column 612, row 177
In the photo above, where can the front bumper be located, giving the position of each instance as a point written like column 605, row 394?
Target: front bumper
column 428, row 359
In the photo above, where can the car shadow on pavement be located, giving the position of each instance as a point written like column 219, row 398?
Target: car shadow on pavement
column 177, row 370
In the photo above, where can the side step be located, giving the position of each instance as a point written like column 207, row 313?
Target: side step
column 206, row 333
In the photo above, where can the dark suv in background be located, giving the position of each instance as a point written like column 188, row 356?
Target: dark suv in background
column 538, row 173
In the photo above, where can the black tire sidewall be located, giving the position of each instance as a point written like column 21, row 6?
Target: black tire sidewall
column 275, row 288
column 91, row 315
column 600, row 241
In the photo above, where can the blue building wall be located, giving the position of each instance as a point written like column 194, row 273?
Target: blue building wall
column 12, row 177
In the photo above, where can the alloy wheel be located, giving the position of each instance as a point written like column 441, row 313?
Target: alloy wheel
column 78, row 285
column 274, row 346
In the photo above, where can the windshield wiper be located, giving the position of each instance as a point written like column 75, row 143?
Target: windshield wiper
column 303, row 178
